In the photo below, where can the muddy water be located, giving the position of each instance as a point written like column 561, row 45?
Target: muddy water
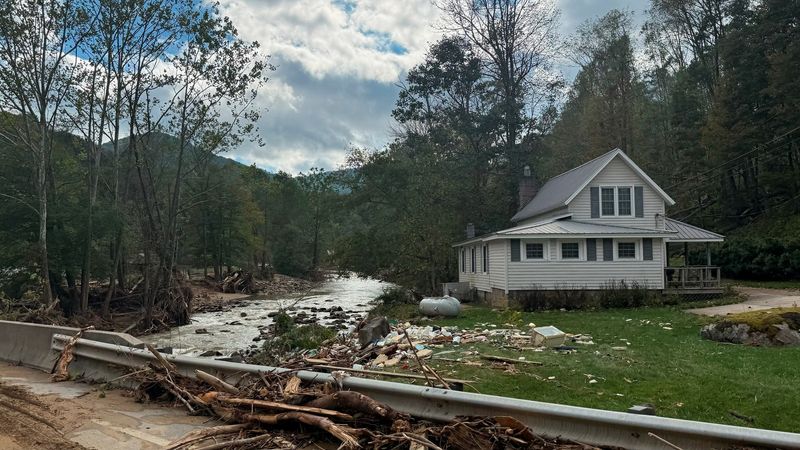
column 234, row 330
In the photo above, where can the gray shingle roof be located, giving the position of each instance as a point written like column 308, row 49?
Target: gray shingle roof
column 558, row 189
column 690, row 233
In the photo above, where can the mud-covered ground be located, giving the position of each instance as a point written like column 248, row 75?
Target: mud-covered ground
column 29, row 422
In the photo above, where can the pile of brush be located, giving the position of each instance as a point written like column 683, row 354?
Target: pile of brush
column 279, row 410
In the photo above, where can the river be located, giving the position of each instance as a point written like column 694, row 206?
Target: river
column 233, row 330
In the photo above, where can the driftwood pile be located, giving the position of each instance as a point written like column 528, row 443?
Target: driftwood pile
column 239, row 282
column 278, row 410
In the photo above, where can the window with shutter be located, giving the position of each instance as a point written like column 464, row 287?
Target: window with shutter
column 624, row 203
column 534, row 250
column 472, row 254
column 607, row 201
column 570, row 250
column 626, row 250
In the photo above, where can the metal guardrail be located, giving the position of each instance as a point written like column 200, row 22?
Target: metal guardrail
column 587, row 425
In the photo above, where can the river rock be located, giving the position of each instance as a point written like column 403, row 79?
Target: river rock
column 786, row 335
column 740, row 333
column 373, row 330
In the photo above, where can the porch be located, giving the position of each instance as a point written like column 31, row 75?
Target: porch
column 681, row 274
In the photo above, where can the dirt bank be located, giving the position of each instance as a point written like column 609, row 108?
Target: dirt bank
column 207, row 298
column 28, row 422
column 38, row 414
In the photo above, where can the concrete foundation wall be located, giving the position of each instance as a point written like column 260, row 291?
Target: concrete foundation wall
column 29, row 344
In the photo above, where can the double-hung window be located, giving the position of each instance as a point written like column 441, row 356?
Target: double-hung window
column 616, row 201
column 464, row 260
column 626, row 250
column 607, row 201
column 570, row 250
column 472, row 254
column 534, row 250
column 624, row 204
column 485, row 258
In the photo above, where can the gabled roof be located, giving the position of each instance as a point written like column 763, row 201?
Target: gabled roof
column 569, row 228
column 562, row 189
column 690, row 233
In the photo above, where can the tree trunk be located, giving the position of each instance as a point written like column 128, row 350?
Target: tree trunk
column 44, row 269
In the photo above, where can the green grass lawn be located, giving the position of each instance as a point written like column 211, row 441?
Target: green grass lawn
column 681, row 374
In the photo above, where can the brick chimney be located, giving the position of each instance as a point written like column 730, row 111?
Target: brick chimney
column 470, row 230
column 528, row 187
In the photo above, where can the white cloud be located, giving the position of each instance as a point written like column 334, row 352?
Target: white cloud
column 345, row 39
column 339, row 62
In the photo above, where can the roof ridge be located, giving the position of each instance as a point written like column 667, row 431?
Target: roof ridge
column 587, row 162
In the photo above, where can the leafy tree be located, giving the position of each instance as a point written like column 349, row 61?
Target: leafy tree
column 36, row 67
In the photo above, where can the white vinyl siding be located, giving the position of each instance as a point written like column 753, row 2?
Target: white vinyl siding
column 617, row 174
column 582, row 274
column 497, row 254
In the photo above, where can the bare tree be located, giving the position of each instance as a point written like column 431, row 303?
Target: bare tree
column 37, row 68
column 517, row 40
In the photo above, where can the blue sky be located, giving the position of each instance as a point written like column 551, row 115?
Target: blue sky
column 339, row 63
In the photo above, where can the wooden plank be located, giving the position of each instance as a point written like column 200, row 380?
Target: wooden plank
column 385, row 374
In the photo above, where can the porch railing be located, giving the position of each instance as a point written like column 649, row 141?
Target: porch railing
column 692, row 277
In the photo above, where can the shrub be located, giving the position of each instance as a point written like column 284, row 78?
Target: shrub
column 760, row 259
column 395, row 295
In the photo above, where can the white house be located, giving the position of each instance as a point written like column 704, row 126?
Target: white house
column 601, row 222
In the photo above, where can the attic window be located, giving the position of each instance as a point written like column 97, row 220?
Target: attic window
column 607, row 201
column 616, row 201
column 624, row 201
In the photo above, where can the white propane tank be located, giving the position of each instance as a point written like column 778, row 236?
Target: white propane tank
column 440, row 306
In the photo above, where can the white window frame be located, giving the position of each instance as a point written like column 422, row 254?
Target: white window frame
column 581, row 249
column 524, row 253
column 637, row 243
column 473, row 262
column 615, row 188
column 616, row 201
column 463, row 260
column 614, row 191
column 485, row 258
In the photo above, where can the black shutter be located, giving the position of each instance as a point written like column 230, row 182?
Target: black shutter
column 591, row 249
column 608, row 249
column 472, row 254
column 647, row 249
column 594, row 194
column 638, row 192
column 514, row 249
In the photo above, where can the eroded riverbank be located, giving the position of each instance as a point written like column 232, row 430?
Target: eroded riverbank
column 235, row 329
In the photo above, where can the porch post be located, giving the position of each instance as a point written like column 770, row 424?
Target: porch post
column 685, row 254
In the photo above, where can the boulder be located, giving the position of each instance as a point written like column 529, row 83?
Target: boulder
column 373, row 331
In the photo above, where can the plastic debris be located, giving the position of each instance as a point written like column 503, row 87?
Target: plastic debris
column 548, row 336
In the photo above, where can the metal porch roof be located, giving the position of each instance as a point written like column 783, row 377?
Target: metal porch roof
column 568, row 228
column 690, row 233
